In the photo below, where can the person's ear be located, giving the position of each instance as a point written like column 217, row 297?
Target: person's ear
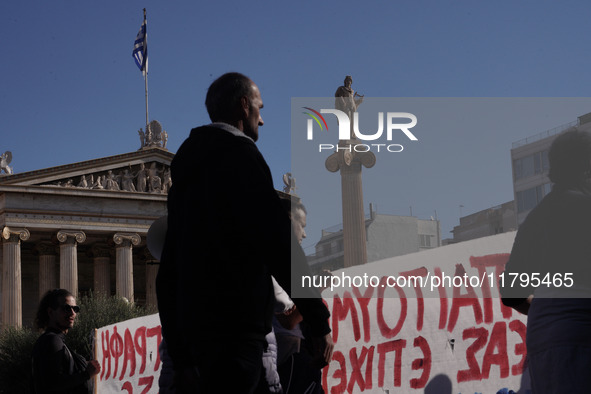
column 244, row 106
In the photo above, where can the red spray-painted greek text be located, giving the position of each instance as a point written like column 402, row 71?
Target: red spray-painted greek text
column 382, row 328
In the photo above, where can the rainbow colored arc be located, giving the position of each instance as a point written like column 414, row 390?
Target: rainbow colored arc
column 316, row 117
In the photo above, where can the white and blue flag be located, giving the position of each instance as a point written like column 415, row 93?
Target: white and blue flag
column 140, row 49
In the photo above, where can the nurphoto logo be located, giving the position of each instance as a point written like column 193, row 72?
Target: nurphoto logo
column 395, row 122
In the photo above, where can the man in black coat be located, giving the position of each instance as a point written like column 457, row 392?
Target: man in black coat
column 227, row 234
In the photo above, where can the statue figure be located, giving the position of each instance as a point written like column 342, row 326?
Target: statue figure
column 289, row 183
column 345, row 98
column 142, row 178
column 166, row 181
column 98, row 184
column 164, row 135
column 69, row 183
column 127, row 181
column 5, row 160
column 142, row 138
column 155, row 182
column 149, row 136
column 153, row 134
column 110, row 182
column 83, row 182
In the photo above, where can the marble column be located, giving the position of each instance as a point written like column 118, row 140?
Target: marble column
column 350, row 163
column 69, row 241
column 152, row 265
column 12, row 301
column 47, row 267
column 102, row 269
column 124, row 263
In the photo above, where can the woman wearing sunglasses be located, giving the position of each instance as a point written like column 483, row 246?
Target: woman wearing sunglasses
column 57, row 369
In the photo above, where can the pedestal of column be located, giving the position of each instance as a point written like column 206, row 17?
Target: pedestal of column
column 12, row 304
column 69, row 241
column 47, row 267
column 124, row 263
column 102, row 270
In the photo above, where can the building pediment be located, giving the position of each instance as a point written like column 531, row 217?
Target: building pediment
column 143, row 171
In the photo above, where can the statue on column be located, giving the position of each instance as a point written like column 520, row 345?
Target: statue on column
column 349, row 163
column 5, row 160
column 345, row 98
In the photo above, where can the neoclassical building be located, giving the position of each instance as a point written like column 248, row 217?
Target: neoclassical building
column 82, row 227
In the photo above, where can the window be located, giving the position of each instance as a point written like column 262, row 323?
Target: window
column 531, row 165
column 424, row 241
column 528, row 199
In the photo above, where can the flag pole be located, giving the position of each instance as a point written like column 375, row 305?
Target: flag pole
column 146, row 70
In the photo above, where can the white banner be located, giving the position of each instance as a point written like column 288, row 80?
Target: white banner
column 457, row 339
column 129, row 358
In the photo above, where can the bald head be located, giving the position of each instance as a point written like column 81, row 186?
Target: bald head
column 235, row 99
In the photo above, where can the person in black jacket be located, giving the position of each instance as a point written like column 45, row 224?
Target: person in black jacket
column 548, row 275
column 57, row 369
column 227, row 234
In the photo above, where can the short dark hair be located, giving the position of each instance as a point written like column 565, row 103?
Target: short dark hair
column 52, row 299
column 570, row 158
column 292, row 206
column 224, row 94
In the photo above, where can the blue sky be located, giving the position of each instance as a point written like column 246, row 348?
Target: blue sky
column 70, row 91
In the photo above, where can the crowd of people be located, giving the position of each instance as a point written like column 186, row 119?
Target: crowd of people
column 224, row 284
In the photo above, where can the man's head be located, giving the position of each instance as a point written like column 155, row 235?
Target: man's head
column 297, row 214
column 570, row 158
column 57, row 310
column 235, row 99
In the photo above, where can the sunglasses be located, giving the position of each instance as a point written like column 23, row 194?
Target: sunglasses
column 70, row 308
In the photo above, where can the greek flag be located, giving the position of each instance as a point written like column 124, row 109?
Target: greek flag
column 140, row 49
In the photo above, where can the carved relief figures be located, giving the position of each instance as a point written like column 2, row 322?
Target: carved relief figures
column 142, row 178
column 110, row 183
column 152, row 180
column 155, row 184
column 166, row 181
column 127, row 181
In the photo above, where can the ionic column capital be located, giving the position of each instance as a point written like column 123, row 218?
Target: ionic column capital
column 63, row 236
column 13, row 234
column 127, row 239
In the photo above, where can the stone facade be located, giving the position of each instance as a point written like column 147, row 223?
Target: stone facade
column 82, row 227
